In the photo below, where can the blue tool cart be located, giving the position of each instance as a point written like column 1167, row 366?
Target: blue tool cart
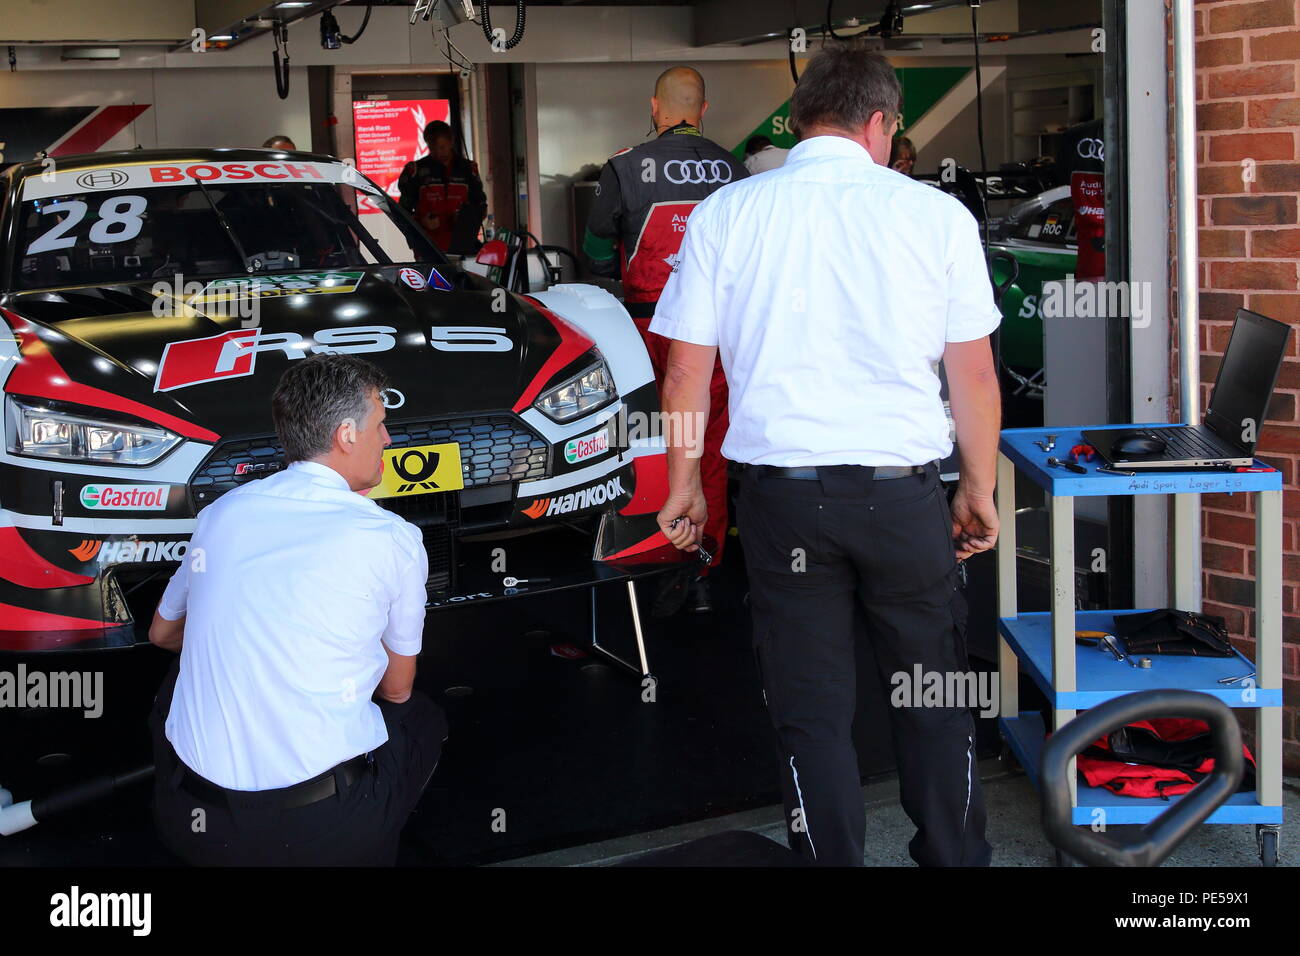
column 1076, row 677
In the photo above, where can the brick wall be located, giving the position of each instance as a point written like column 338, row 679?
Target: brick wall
column 1248, row 115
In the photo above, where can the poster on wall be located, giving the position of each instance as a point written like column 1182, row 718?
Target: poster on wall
column 389, row 134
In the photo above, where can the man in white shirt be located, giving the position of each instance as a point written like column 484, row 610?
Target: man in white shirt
column 299, row 599
column 761, row 155
column 831, row 286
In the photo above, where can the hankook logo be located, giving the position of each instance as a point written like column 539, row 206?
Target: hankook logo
column 577, row 500
column 101, row 179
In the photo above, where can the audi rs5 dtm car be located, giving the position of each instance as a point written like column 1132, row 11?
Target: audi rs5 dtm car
column 149, row 302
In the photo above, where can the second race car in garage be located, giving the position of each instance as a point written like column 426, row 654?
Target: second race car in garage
column 149, row 302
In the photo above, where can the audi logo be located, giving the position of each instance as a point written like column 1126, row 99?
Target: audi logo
column 699, row 171
column 101, row 179
column 392, row 398
column 1092, row 149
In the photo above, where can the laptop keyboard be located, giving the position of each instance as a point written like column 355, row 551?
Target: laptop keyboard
column 1190, row 443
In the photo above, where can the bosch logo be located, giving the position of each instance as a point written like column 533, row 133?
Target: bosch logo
column 102, row 179
column 392, row 398
column 697, row 171
column 1092, row 149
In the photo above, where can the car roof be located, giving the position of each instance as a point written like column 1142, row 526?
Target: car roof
column 137, row 156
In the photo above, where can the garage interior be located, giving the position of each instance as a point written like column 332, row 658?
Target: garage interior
column 546, row 734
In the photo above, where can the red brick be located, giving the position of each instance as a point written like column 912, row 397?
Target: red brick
column 1221, row 180
column 1290, row 564
column 1289, row 377
column 1224, row 115
column 1253, row 211
column 1285, row 438
column 1276, row 112
column 1284, row 465
column 1271, row 46
column 1253, row 274
column 1251, row 81
column 1282, row 408
column 1277, row 177
column 1220, row 306
column 1275, row 244
column 1222, row 51
column 1234, row 17
column 1237, row 504
column 1233, row 617
column 1233, row 528
column 1284, row 308
column 1222, row 243
column 1261, row 147
column 1223, row 557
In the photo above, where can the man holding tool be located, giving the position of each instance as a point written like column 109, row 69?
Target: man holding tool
column 836, row 414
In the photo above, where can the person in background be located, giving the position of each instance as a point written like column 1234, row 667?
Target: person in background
column 444, row 192
column 796, row 277
column 279, row 142
column 761, row 155
column 299, row 599
column 643, row 199
column 902, row 155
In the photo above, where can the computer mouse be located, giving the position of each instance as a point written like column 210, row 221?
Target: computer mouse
column 1135, row 443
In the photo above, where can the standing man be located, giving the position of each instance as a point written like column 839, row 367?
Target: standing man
column 444, row 192
column 643, row 199
column 831, row 286
column 299, row 598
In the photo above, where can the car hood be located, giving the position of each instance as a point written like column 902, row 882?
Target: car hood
column 468, row 350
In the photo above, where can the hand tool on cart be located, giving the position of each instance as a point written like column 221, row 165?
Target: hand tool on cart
column 1084, row 449
column 1048, row 444
column 1069, row 465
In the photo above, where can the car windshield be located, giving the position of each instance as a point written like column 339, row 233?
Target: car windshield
column 149, row 221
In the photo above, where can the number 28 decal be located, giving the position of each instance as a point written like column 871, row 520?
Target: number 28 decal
column 120, row 219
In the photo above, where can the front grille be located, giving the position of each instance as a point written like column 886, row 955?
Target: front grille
column 494, row 449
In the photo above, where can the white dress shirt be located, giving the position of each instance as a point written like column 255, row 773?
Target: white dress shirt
column 831, row 286
column 769, row 157
column 291, row 588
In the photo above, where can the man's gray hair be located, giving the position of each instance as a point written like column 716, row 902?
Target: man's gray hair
column 315, row 396
column 841, row 87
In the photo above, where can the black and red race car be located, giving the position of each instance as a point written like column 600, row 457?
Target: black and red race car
column 149, row 302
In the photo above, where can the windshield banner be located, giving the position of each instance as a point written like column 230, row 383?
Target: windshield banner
column 149, row 175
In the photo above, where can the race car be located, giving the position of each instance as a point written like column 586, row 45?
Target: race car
column 149, row 302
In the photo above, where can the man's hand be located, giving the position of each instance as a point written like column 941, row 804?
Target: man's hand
column 974, row 523
column 685, row 534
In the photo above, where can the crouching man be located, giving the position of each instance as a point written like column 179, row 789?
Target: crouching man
column 298, row 600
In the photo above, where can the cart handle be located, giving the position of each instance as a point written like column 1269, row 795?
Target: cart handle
column 1157, row 839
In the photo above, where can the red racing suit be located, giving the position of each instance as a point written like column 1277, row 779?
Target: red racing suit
column 643, row 199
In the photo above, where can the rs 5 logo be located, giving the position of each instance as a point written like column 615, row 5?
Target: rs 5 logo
column 234, row 354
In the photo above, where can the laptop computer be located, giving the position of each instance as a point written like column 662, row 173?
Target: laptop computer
column 1227, row 437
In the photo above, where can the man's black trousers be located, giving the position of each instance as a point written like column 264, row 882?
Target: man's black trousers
column 823, row 556
column 359, row 826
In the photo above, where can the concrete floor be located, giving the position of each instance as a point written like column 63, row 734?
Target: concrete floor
column 1014, row 830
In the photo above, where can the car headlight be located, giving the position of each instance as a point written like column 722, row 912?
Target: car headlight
column 585, row 392
column 46, row 429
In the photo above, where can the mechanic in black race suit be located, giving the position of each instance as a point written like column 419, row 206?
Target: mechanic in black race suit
column 444, row 193
column 636, row 224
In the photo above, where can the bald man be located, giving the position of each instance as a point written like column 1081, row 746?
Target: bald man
column 636, row 224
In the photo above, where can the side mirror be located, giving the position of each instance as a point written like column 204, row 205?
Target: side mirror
column 493, row 253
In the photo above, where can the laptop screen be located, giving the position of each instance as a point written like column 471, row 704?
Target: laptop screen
column 1246, row 378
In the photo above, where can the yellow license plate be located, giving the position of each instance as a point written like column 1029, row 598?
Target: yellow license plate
column 420, row 470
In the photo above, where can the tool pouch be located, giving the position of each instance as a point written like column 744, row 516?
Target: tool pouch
column 1170, row 631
